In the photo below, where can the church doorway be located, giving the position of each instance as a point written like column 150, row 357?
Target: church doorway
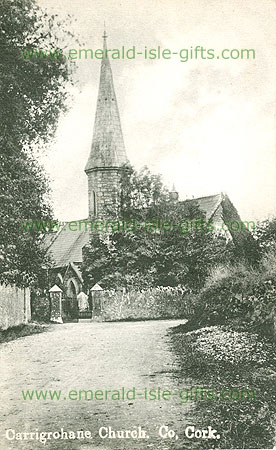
column 70, row 310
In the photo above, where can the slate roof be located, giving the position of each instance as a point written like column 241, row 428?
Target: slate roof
column 208, row 204
column 108, row 148
column 65, row 246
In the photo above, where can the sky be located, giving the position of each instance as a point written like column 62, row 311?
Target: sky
column 208, row 126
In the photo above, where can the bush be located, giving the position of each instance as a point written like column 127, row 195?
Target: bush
column 40, row 306
column 239, row 295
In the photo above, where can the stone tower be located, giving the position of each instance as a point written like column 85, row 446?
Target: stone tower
column 107, row 157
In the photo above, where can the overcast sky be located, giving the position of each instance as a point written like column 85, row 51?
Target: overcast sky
column 206, row 125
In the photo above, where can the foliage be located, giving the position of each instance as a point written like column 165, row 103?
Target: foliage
column 143, row 194
column 33, row 93
column 265, row 235
column 219, row 358
column 133, row 259
column 153, row 254
column 33, row 90
column 240, row 295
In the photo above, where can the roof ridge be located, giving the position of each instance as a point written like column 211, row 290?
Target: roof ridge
column 217, row 205
column 204, row 196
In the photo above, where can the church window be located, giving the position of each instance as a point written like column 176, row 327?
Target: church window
column 94, row 203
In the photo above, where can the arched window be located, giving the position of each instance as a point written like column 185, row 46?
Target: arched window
column 72, row 288
column 59, row 280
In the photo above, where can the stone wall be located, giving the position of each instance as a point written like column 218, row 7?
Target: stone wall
column 15, row 306
column 153, row 303
column 104, row 189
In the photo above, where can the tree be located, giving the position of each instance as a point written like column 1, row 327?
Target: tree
column 33, row 93
column 143, row 194
column 162, row 249
column 265, row 235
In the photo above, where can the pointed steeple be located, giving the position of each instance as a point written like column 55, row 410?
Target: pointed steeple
column 108, row 148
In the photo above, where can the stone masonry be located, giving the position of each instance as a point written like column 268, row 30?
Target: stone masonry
column 104, row 192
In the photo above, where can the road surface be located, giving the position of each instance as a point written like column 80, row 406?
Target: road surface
column 92, row 356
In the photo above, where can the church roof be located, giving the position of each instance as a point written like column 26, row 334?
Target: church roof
column 108, row 148
column 65, row 246
column 208, row 204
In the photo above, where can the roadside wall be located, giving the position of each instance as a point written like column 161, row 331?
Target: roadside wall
column 153, row 303
column 15, row 306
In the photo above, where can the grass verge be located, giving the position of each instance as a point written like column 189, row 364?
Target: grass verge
column 22, row 330
column 219, row 358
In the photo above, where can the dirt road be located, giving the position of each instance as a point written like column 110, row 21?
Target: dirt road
column 92, row 356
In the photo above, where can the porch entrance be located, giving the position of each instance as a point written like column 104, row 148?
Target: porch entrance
column 70, row 310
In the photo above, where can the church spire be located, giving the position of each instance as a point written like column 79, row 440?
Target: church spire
column 108, row 149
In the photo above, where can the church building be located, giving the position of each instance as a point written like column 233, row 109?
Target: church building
column 106, row 161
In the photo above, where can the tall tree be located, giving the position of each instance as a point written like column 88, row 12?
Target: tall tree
column 33, row 93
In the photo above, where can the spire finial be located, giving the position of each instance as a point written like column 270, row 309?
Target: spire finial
column 104, row 38
column 104, row 34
